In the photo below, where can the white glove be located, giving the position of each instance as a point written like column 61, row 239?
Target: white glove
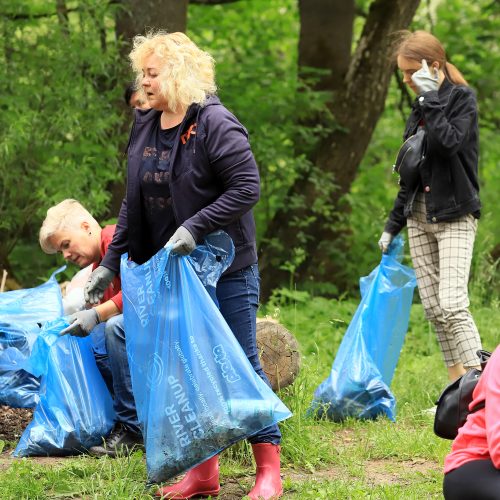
column 424, row 80
column 384, row 241
column 182, row 241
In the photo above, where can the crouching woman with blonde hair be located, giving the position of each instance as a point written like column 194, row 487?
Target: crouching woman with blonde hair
column 71, row 230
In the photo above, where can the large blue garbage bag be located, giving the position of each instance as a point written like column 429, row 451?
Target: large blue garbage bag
column 390, row 287
column 21, row 313
column 33, row 305
column 196, row 393
column 75, row 409
column 18, row 388
column 358, row 385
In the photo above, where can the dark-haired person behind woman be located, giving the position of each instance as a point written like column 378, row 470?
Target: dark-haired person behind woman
column 441, row 205
column 472, row 469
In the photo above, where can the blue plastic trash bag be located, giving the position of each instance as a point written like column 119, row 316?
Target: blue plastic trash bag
column 358, row 385
column 196, row 393
column 211, row 259
column 387, row 309
column 75, row 410
column 21, row 313
column 33, row 305
column 355, row 387
column 18, row 388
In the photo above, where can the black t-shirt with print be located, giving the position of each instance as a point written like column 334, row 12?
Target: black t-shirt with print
column 155, row 186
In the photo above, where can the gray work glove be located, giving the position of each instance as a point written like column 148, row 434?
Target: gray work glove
column 182, row 241
column 385, row 241
column 97, row 283
column 424, row 80
column 82, row 323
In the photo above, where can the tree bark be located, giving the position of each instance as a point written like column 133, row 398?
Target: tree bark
column 359, row 90
column 139, row 16
column 325, row 39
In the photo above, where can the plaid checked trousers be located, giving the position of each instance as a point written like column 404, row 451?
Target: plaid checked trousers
column 441, row 255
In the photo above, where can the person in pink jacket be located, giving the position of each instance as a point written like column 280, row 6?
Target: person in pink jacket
column 472, row 468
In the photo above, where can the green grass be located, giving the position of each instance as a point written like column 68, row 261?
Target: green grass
column 353, row 459
column 76, row 478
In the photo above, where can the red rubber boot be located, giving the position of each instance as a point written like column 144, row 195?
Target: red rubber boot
column 202, row 480
column 268, row 479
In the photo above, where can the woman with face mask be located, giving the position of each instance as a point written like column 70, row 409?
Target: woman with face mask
column 190, row 172
column 440, row 204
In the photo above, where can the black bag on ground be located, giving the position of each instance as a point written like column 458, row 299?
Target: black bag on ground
column 453, row 404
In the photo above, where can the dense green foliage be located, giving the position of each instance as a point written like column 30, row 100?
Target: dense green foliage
column 60, row 122
column 63, row 123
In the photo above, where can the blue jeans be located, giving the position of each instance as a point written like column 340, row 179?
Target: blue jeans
column 238, row 296
column 115, row 371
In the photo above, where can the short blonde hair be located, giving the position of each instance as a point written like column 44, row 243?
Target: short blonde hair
column 187, row 75
column 65, row 216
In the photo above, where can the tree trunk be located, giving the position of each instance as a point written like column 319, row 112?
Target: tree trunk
column 359, row 91
column 279, row 353
column 325, row 40
column 139, row 16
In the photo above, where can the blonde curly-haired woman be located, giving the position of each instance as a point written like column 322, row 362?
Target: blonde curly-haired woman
column 191, row 171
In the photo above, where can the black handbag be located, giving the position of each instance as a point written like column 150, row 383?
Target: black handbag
column 453, row 404
column 410, row 157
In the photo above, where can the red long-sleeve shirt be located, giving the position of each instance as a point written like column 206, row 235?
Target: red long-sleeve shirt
column 479, row 438
column 114, row 291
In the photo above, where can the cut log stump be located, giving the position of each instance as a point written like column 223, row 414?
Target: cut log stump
column 278, row 352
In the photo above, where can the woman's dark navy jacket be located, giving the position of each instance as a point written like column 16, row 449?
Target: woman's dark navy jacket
column 214, row 183
column 449, row 174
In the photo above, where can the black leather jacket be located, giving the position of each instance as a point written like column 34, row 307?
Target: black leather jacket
column 449, row 174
